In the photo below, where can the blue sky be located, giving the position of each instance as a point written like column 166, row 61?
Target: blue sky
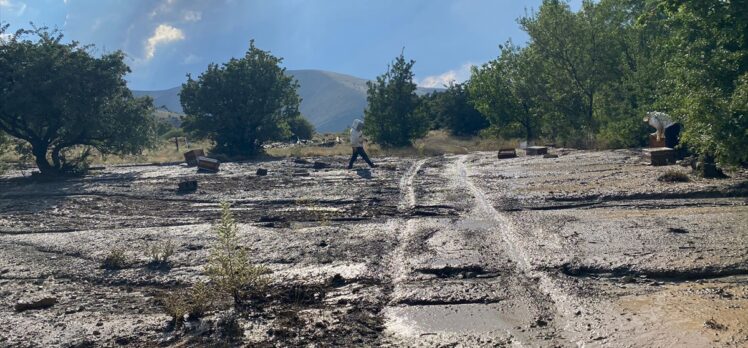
column 166, row 39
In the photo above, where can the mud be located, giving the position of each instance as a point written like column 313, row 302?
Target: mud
column 585, row 249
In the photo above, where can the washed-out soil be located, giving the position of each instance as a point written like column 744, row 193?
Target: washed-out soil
column 588, row 248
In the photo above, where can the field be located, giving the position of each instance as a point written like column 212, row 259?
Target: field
column 458, row 249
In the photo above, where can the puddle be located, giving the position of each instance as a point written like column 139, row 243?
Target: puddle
column 413, row 321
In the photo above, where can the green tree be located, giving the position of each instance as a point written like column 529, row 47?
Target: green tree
column 577, row 52
column 507, row 91
column 391, row 116
column 57, row 96
column 300, row 128
column 242, row 103
column 228, row 267
column 707, row 75
column 452, row 110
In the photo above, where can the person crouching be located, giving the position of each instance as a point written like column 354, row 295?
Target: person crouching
column 357, row 143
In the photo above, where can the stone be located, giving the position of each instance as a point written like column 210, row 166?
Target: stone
column 262, row 172
column 42, row 303
column 187, row 186
column 320, row 165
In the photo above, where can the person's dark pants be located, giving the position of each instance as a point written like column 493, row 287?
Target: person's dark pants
column 359, row 151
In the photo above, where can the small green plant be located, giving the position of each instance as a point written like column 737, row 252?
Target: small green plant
column 159, row 254
column 193, row 302
column 229, row 267
column 116, row 259
column 673, row 176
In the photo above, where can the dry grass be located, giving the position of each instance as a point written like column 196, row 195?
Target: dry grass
column 434, row 144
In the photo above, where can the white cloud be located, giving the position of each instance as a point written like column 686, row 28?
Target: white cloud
column 15, row 8
column 164, row 34
column 458, row 75
column 192, row 59
column 192, row 16
column 163, row 7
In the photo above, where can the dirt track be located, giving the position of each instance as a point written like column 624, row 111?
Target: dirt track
column 585, row 249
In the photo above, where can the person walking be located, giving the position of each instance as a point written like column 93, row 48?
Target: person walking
column 357, row 143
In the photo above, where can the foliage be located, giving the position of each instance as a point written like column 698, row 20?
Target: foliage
column 116, row 259
column 229, row 267
column 673, row 176
column 506, row 91
column 193, row 302
column 390, row 118
column 587, row 77
column 242, row 103
column 300, row 128
column 159, row 254
column 707, row 75
column 453, row 111
column 57, row 96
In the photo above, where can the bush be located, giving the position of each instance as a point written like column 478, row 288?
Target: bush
column 193, row 302
column 229, row 268
column 159, row 254
column 674, row 176
column 116, row 259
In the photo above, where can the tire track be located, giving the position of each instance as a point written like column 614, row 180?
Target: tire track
column 408, row 200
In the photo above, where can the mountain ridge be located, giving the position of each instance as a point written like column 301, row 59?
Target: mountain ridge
column 329, row 100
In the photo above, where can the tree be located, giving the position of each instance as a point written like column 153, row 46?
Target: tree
column 57, row 96
column 452, row 110
column 707, row 76
column 300, row 128
column 507, row 91
column 390, row 116
column 242, row 103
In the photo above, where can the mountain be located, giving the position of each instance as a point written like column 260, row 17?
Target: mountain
column 331, row 101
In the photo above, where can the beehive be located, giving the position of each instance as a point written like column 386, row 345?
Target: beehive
column 208, row 164
column 191, row 156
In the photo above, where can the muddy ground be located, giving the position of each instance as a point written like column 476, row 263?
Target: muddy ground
column 587, row 249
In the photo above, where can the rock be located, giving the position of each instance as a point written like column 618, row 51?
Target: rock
column 336, row 281
column 320, row 165
column 42, row 303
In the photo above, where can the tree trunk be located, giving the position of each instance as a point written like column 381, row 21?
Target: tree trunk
column 39, row 150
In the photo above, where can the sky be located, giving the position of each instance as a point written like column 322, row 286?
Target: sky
column 166, row 39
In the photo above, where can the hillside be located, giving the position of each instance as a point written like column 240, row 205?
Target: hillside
column 331, row 101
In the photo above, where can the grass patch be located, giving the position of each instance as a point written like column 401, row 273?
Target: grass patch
column 159, row 254
column 192, row 303
column 673, row 176
column 116, row 259
column 436, row 143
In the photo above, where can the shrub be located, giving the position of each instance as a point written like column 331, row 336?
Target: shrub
column 116, row 259
column 193, row 302
column 159, row 254
column 229, row 268
column 674, row 176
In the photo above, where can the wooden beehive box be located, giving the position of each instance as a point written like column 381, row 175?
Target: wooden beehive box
column 191, row 156
column 208, row 164
column 507, row 153
column 660, row 156
column 536, row 150
column 654, row 143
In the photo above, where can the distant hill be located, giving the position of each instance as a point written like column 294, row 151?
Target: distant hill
column 331, row 101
